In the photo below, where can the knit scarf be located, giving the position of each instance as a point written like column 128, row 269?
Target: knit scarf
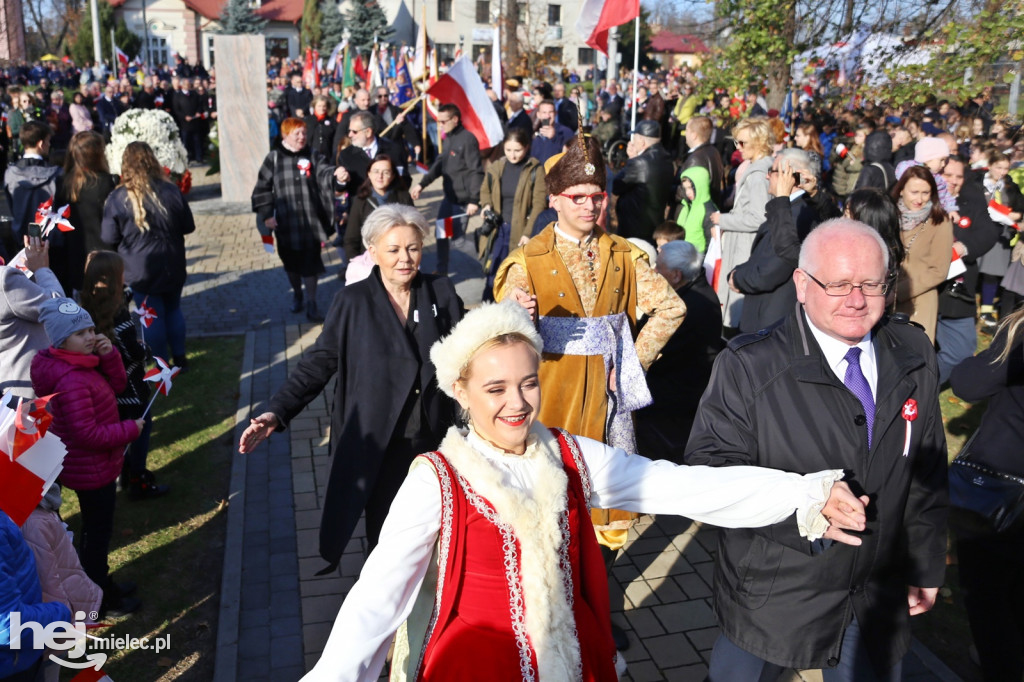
column 911, row 219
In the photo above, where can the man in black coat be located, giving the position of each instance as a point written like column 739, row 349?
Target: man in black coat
column 362, row 101
column 402, row 133
column 833, row 385
column 644, row 185
column 566, row 111
column 187, row 109
column 459, row 167
column 298, row 98
column 356, row 157
column 517, row 116
column 956, row 334
column 766, row 278
column 703, row 153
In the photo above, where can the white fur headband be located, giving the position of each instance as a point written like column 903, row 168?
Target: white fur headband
column 451, row 354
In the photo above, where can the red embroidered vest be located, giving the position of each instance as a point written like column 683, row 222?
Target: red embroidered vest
column 478, row 628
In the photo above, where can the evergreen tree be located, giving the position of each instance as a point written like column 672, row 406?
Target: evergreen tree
column 365, row 21
column 309, row 33
column 332, row 25
column 81, row 48
column 239, row 19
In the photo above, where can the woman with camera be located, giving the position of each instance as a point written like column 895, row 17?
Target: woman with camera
column 512, row 196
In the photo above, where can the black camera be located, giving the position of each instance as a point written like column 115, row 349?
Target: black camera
column 492, row 222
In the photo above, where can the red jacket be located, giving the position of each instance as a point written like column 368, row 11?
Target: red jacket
column 85, row 414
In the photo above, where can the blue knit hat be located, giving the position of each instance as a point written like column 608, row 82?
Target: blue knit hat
column 62, row 317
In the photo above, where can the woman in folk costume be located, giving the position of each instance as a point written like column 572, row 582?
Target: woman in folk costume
column 488, row 566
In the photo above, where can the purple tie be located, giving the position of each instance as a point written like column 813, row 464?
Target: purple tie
column 858, row 385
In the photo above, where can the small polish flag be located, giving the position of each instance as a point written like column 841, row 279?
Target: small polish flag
column 956, row 266
column 268, row 243
column 121, row 56
column 445, row 228
column 1000, row 213
column 422, row 167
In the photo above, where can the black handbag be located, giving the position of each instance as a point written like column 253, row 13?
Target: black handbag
column 983, row 501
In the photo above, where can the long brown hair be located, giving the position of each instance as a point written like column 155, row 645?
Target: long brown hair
column 102, row 295
column 85, row 160
column 814, row 144
column 140, row 173
column 938, row 213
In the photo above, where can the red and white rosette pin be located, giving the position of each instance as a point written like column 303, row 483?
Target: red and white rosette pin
column 909, row 415
column 304, row 166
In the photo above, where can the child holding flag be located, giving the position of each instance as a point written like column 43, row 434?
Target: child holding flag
column 86, row 372
column 105, row 299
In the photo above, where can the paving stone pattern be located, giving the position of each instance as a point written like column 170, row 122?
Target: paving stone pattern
column 276, row 613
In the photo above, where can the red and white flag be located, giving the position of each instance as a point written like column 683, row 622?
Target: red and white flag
column 956, row 266
column 597, row 16
column 1000, row 213
column 146, row 313
column 418, row 65
column 444, row 228
column 121, row 56
column 268, row 243
column 48, row 219
column 462, row 87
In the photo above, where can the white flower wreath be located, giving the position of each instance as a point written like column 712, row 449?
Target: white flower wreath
column 156, row 128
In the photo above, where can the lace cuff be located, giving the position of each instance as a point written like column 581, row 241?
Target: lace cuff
column 809, row 519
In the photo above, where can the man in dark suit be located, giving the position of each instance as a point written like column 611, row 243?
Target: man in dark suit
column 356, row 157
column 834, row 385
column 703, row 153
column 362, row 101
column 298, row 98
column 187, row 108
column 107, row 109
column 517, row 116
column 402, row 133
column 565, row 109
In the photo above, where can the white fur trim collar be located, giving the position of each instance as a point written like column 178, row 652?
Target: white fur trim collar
column 536, row 518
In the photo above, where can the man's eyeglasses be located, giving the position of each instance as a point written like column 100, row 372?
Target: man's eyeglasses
column 443, row 121
column 382, row 95
column 580, row 199
column 353, row 132
column 846, row 288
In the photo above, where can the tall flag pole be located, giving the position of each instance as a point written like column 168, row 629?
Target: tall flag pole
column 496, row 80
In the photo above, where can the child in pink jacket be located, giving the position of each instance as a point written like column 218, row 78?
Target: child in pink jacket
column 85, row 371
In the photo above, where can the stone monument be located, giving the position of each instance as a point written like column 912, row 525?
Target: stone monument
column 241, row 113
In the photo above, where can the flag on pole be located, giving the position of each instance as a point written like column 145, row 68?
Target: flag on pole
column 497, row 82
column 348, row 74
column 462, row 87
column 332, row 62
column 31, row 458
column 308, row 70
column 597, row 16
column 1000, row 214
column 403, row 82
column 359, row 69
column 956, row 266
column 122, row 58
column 418, row 69
column 713, row 262
column 373, row 68
column 432, row 104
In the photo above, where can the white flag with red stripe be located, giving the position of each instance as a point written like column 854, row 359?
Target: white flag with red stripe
column 713, row 262
column 121, row 56
column 956, row 266
column 597, row 16
column 462, row 87
column 444, row 228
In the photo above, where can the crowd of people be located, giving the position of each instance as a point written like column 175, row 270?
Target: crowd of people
column 764, row 307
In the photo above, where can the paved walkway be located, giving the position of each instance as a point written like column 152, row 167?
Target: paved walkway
column 276, row 613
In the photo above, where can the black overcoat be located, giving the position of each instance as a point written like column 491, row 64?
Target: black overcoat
column 363, row 343
column 773, row 401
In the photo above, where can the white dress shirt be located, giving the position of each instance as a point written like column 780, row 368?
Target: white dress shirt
column 835, row 355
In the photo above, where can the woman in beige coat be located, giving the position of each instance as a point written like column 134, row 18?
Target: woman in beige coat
column 927, row 236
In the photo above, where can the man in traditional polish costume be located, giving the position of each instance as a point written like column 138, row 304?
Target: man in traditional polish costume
column 487, row 564
column 588, row 285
